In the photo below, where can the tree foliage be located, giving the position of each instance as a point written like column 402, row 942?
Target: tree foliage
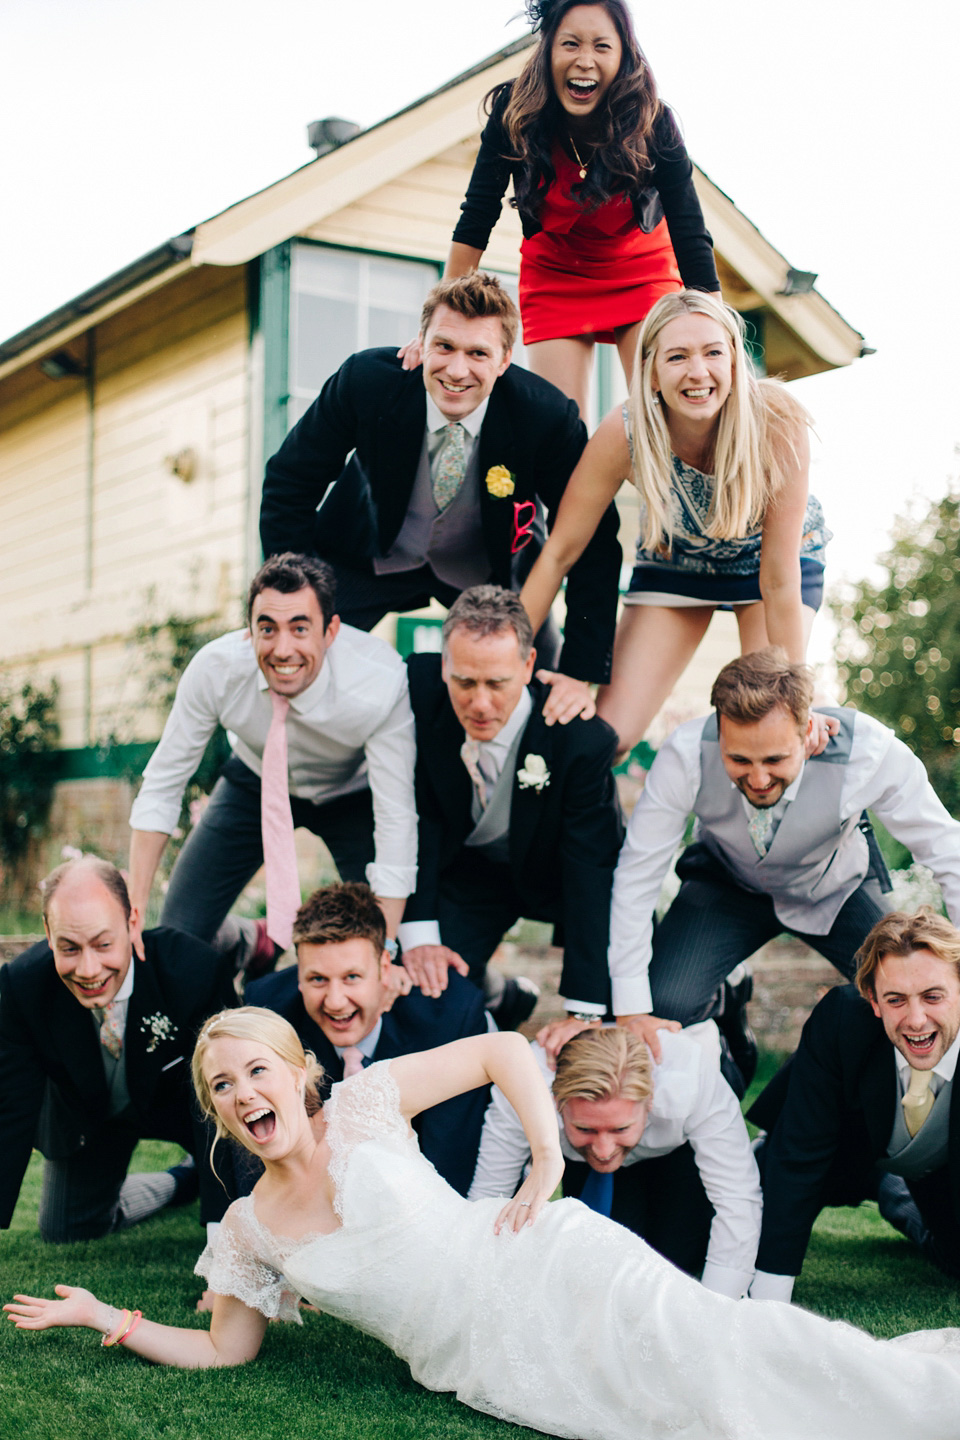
column 899, row 645
column 29, row 765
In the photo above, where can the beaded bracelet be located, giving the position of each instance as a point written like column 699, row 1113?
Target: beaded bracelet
column 112, row 1336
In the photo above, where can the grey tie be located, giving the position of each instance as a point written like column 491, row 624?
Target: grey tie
column 470, row 755
column 451, row 464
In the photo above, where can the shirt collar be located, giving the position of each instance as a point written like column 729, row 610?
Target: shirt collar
column 944, row 1068
column 436, row 420
column 788, row 796
column 501, row 742
column 367, row 1045
column 307, row 699
column 126, row 989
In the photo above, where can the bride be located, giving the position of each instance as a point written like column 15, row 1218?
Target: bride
column 546, row 1315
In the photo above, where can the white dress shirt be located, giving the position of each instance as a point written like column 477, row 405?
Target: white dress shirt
column 491, row 757
column 882, row 775
column 691, row 1103
column 351, row 727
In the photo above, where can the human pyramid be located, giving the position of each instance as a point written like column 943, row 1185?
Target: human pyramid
column 366, row 1132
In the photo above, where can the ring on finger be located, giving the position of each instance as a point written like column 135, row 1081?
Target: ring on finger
column 525, row 1203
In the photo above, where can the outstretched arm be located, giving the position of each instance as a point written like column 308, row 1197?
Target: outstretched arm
column 780, row 554
column 504, row 1060
column 603, row 467
column 235, row 1334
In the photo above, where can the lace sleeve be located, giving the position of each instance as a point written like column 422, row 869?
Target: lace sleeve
column 365, row 1107
column 231, row 1265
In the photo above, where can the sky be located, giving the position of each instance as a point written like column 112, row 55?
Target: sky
column 834, row 129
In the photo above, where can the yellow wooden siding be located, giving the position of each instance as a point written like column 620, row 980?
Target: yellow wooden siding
column 171, row 374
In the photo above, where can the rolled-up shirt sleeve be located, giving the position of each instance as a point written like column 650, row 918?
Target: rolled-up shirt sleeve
column 391, row 753
column 191, row 722
column 655, row 831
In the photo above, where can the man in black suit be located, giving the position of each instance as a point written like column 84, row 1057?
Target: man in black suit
column 450, row 468
column 517, row 817
column 95, row 1056
column 865, row 1108
column 337, row 999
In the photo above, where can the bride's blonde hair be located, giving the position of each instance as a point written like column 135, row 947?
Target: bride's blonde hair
column 261, row 1027
column 756, row 437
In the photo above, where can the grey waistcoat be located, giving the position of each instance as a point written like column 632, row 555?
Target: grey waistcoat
column 928, row 1149
column 814, row 863
column 491, row 827
column 451, row 542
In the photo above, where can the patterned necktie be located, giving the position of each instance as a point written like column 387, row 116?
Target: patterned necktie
column 352, row 1058
column 470, row 755
column 451, row 464
column 918, row 1101
column 111, row 1028
column 597, row 1192
column 760, row 825
column 276, row 824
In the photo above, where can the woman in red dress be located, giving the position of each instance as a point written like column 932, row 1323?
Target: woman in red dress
column 603, row 185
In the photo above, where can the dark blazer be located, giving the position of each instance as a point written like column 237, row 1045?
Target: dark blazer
column 564, row 839
column 449, row 1134
column 829, row 1113
column 52, row 1081
column 378, row 410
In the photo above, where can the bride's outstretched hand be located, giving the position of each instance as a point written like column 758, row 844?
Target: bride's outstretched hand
column 77, row 1307
column 540, row 1184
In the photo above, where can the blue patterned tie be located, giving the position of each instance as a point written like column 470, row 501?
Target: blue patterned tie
column 451, row 466
column 760, row 825
column 598, row 1191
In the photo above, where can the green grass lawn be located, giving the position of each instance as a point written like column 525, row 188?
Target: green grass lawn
column 324, row 1381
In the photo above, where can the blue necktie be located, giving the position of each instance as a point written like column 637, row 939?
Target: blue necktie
column 598, row 1192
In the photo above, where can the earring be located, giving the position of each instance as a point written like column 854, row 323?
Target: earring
column 656, row 398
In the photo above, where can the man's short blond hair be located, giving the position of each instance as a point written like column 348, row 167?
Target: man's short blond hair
column 751, row 686
column 602, row 1065
column 899, row 934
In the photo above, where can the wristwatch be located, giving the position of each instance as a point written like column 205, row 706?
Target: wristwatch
column 391, row 947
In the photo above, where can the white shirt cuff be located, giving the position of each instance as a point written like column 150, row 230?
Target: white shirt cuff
column 724, row 1280
column 772, row 1287
column 393, row 882
column 584, row 1007
column 632, row 996
column 412, row 933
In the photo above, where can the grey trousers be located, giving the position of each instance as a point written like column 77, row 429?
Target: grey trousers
column 714, row 923
column 90, row 1194
column 225, row 850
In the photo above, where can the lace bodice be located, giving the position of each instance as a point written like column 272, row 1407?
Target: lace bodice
column 573, row 1326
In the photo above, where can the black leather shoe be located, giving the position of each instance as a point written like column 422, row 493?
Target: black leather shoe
column 187, row 1181
column 735, row 1027
column 517, row 1003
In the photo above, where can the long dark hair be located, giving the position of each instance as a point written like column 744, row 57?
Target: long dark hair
column 534, row 117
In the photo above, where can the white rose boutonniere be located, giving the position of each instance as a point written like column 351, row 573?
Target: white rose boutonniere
column 534, row 774
column 158, row 1027
column 499, row 481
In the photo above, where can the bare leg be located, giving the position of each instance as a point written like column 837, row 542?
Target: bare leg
column 752, row 624
column 566, row 364
column 626, row 337
column 653, row 646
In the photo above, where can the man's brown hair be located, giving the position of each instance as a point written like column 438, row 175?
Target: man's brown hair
column 474, row 296
column 751, row 686
column 600, row 1064
column 899, row 934
column 341, row 912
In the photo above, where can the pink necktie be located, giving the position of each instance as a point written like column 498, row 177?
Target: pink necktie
column 470, row 755
column 276, row 823
column 352, row 1058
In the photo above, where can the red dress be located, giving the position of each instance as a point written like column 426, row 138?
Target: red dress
column 587, row 272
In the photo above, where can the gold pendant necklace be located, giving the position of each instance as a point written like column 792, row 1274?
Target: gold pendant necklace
column 580, row 162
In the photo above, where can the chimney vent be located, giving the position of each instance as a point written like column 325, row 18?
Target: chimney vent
column 326, row 135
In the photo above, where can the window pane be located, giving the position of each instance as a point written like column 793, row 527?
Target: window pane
column 324, row 334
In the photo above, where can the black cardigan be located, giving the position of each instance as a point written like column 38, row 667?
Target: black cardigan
column 670, row 193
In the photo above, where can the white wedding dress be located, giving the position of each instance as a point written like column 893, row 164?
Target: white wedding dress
column 574, row 1326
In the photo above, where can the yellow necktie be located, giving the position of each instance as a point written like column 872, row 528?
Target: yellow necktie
column 918, row 1101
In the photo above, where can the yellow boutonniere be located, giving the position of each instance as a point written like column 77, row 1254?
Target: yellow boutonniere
column 499, row 482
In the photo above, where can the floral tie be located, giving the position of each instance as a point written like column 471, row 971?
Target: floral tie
column 451, row 466
column 918, row 1101
column 111, row 1029
column 760, row 825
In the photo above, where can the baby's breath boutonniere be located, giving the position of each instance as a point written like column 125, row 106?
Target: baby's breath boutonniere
column 158, row 1027
column 499, row 482
column 534, row 774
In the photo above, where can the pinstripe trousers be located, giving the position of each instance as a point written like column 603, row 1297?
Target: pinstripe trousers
column 714, row 924
column 90, row 1194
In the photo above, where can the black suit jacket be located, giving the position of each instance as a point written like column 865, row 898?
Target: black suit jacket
column 378, row 410
column 829, row 1113
column 449, row 1134
column 564, row 839
column 52, row 1081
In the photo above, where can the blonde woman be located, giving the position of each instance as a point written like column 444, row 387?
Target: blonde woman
column 549, row 1316
column 720, row 461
